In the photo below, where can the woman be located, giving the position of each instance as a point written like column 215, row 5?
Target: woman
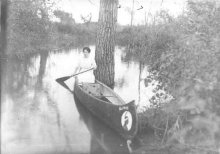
column 86, row 62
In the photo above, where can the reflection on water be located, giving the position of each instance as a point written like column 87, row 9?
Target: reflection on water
column 40, row 116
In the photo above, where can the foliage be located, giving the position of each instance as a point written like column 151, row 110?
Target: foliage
column 65, row 18
column 29, row 26
column 74, row 35
column 198, row 90
column 184, row 54
column 32, row 30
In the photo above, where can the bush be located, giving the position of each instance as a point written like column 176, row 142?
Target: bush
column 184, row 52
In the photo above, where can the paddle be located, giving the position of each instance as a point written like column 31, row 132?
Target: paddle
column 61, row 80
column 67, row 77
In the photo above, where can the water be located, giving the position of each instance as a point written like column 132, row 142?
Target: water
column 40, row 116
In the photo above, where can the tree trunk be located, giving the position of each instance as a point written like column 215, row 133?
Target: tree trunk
column 3, row 43
column 105, row 42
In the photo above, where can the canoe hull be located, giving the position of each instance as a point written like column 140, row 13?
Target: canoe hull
column 121, row 118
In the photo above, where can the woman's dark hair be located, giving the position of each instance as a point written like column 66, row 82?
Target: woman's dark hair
column 87, row 48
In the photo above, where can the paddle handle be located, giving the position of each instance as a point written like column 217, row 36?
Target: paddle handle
column 62, row 79
column 81, row 72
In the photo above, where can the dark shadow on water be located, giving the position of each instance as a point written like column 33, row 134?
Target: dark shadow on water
column 103, row 139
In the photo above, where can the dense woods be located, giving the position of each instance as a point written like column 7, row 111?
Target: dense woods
column 182, row 53
column 31, row 28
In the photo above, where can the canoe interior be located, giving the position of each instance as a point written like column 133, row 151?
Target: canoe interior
column 101, row 92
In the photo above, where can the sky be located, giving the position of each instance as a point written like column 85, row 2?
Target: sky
column 150, row 7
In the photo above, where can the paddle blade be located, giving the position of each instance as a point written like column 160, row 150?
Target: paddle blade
column 63, row 79
column 62, row 83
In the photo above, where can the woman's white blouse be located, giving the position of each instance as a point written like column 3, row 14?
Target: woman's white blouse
column 85, row 64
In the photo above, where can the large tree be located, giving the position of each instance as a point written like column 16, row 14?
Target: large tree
column 105, row 42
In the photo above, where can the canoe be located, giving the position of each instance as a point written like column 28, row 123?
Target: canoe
column 110, row 108
column 103, row 138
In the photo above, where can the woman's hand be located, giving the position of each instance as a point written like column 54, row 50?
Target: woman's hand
column 94, row 67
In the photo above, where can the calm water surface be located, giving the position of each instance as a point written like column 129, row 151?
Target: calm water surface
column 40, row 116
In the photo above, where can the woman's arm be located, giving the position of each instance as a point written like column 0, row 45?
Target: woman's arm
column 77, row 70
